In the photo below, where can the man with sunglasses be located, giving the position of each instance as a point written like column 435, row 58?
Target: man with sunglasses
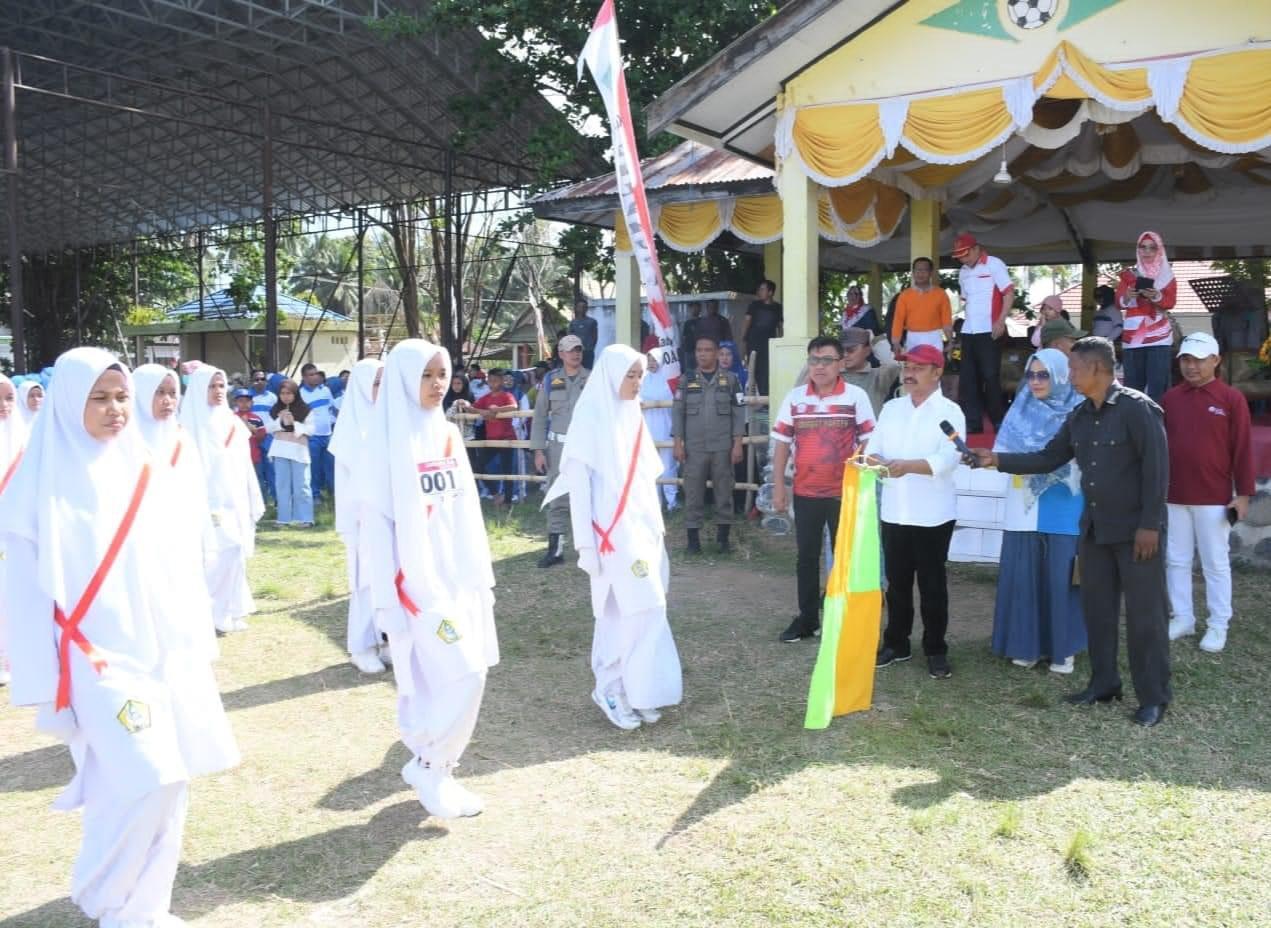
column 824, row 422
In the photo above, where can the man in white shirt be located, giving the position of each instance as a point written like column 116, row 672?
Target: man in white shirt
column 987, row 293
column 919, row 507
column 317, row 396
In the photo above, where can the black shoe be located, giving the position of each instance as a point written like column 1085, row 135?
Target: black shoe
column 1150, row 716
column 555, row 552
column 887, row 655
column 694, row 541
column 721, row 538
column 797, row 631
column 1089, row 697
column 938, row 666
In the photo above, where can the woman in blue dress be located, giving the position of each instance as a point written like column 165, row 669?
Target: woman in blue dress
column 1038, row 613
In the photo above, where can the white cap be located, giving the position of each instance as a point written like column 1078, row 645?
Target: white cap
column 1199, row 345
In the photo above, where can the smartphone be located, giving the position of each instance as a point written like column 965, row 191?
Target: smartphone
column 1232, row 516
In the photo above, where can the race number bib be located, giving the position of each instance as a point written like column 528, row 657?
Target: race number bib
column 439, row 479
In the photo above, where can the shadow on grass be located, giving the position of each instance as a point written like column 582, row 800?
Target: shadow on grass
column 318, row 868
column 35, row 770
column 342, row 676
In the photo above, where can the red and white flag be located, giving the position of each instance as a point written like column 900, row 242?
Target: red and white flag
column 602, row 57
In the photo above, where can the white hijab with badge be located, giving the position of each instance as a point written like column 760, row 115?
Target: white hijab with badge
column 415, row 474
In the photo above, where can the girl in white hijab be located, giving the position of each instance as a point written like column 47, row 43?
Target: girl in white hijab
column 233, row 494
column 179, row 479
column 432, row 586
column 102, row 649
column 30, row 399
column 609, row 467
column 347, row 447
column 12, row 444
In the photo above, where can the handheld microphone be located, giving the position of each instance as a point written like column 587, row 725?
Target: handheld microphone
column 968, row 456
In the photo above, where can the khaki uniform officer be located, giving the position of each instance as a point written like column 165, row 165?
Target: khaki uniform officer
column 708, row 425
column 557, row 395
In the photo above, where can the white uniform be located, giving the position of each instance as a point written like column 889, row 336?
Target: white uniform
column 13, row 434
column 24, row 395
column 609, row 468
column 233, row 495
column 347, row 447
column 431, row 583
column 653, row 388
column 132, row 676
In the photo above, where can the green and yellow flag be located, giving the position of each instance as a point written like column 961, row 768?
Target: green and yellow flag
column 843, row 679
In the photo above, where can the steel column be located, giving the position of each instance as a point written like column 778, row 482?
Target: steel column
column 16, row 321
column 271, row 247
column 361, row 287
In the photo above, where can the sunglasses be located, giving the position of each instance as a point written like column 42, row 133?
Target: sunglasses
column 258, row 380
column 819, row 360
column 1147, row 246
column 1037, row 375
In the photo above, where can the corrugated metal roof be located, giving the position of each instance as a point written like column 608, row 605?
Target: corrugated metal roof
column 220, row 305
column 687, row 164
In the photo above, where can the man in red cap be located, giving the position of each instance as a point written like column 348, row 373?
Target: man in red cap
column 987, row 292
column 918, row 508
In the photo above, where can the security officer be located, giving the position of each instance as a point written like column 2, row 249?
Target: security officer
column 552, row 411
column 708, row 425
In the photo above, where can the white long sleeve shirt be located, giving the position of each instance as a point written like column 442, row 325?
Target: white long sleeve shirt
column 906, row 431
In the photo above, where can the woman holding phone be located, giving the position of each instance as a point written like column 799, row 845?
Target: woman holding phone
column 1146, row 293
column 289, row 451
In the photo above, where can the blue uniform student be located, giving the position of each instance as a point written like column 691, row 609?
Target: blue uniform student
column 317, row 397
column 263, row 400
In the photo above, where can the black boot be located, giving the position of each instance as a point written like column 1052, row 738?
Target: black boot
column 555, row 551
column 694, row 541
column 721, row 538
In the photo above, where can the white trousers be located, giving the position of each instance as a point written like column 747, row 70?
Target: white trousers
column 934, row 338
column 636, row 653
column 1204, row 529
column 437, row 722
column 129, row 855
column 227, row 582
column 363, row 634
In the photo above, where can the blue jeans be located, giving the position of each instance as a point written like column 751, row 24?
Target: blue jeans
column 295, row 502
column 499, row 461
column 265, row 476
column 1149, row 369
column 322, row 465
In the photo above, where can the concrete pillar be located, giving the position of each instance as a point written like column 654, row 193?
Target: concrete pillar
column 772, row 265
column 800, row 295
column 1089, row 280
column 627, row 300
column 924, row 230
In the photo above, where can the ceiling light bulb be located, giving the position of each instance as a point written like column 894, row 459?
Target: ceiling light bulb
column 1003, row 175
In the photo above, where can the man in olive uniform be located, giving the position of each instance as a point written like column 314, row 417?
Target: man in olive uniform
column 708, row 424
column 552, row 411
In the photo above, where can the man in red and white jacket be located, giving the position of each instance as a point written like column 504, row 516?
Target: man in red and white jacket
column 1210, row 475
column 1146, row 293
column 987, row 294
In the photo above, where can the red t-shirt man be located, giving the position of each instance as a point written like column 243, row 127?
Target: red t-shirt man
column 496, row 399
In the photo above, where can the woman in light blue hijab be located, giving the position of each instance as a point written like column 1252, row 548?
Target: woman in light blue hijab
column 1038, row 612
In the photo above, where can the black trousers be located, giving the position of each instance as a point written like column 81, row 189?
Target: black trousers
column 1107, row 572
column 921, row 550
column 980, row 373
column 499, row 461
column 811, row 516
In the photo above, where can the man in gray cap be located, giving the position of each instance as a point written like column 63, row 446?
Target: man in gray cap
column 879, row 383
column 552, row 411
column 1061, row 335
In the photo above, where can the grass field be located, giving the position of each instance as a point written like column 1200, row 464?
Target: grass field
column 979, row 800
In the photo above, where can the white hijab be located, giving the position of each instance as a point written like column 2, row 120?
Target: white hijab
column 158, row 433
column 24, row 391
column 445, row 550
column 13, row 433
column 224, row 446
column 349, row 440
column 603, row 431
column 71, row 491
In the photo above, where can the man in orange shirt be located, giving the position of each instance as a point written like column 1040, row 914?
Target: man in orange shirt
column 923, row 311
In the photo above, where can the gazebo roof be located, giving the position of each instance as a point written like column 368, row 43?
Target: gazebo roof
column 222, row 305
column 145, row 119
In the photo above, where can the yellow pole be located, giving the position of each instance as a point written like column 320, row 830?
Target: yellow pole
column 772, row 264
column 800, row 264
column 627, row 300
column 924, row 230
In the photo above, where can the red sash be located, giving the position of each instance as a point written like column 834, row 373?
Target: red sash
column 13, row 467
column 70, row 625
column 606, row 544
column 230, row 437
column 176, row 454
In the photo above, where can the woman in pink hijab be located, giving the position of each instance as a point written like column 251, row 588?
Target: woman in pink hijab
column 1146, row 293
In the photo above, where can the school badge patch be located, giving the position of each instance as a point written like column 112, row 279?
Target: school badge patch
column 640, row 569
column 134, row 716
column 447, row 632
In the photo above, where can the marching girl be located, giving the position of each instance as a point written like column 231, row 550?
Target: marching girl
column 432, row 585
column 13, row 434
column 347, row 446
column 103, row 649
column 609, row 468
column 233, row 494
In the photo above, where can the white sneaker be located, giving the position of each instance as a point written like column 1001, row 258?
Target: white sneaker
column 5, row 677
column 240, row 625
column 648, row 715
column 612, row 709
column 469, row 802
column 386, row 654
column 1214, row 641
column 439, row 793
column 1065, row 667
column 368, row 661
column 1181, row 628
column 1020, row 662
